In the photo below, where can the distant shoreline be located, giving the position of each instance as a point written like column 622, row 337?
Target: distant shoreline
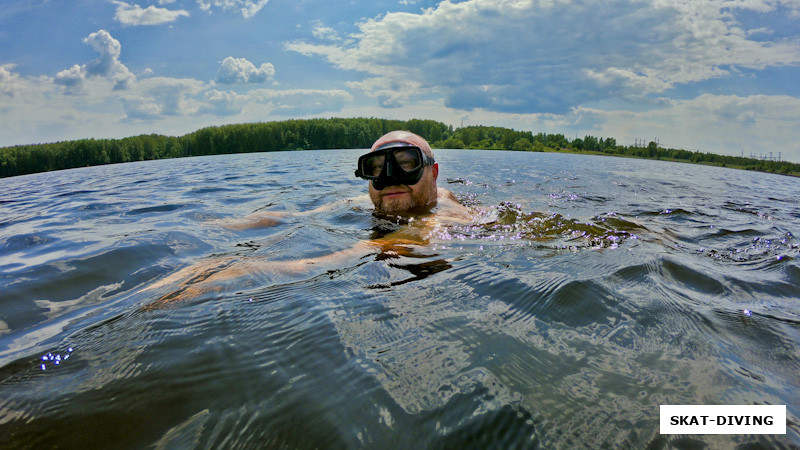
column 341, row 133
column 701, row 163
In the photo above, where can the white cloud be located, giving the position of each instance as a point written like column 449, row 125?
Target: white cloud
column 136, row 15
column 390, row 93
column 255, row 104
column 160, row 96
column 320, row 31
column 301, row 102
column 107, row 65
column 8, row 80
column 764, row 6
column 762, row 30
column 248, row 8
column 140, row 109
column 223, row 103
column 5, row 73
column 71, row 77
column 109, row 49
column 45, row 114
column 527, row 56
column 240, row 70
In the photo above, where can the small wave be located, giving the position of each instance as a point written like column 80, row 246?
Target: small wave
column 746, row 247
column 675, row 215
column 24, row 242
column 157, row 209
column 209, row 190
column 98, row 206
column 73, row 193
column 747, row 208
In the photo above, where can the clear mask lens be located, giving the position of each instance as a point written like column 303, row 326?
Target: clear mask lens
column 372, row 166
column 407, row 159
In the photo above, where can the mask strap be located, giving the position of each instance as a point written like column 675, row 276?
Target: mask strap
column 395, row 144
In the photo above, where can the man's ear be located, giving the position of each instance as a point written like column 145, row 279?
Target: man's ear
column 435, row 171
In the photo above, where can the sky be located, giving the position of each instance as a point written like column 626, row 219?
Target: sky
column 719, row 76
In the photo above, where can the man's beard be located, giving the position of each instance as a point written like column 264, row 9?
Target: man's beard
column 399, row 204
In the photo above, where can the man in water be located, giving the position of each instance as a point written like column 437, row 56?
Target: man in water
column 402, row 174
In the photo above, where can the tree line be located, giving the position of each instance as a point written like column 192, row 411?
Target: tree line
column 481, row 137
column 335, row 133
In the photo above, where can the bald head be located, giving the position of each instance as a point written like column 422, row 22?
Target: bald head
column 404, row 136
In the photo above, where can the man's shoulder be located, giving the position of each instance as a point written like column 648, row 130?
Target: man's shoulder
column 445, row 195
column 450, row 209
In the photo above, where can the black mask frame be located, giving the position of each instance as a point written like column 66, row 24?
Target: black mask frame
column 392, row 173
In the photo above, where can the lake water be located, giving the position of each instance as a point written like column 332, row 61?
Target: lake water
column 592, row 290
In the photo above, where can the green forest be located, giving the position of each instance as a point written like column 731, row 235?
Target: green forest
column 335, row 133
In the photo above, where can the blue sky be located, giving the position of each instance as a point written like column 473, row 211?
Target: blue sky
column 712, row 75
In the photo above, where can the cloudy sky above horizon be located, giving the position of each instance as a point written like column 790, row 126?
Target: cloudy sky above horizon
column 712, row 75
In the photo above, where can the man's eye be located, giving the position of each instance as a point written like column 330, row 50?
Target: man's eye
column 373, row 166
column 408, row 166
column 406, row 161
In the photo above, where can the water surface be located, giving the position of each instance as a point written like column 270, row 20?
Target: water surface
column 591, row 291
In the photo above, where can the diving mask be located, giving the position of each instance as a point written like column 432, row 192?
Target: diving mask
column 393, row 164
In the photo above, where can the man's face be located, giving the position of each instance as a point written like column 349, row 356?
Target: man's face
column 405, row 198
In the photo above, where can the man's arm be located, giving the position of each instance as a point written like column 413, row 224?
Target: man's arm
column 209, row 275
column 264, row 219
